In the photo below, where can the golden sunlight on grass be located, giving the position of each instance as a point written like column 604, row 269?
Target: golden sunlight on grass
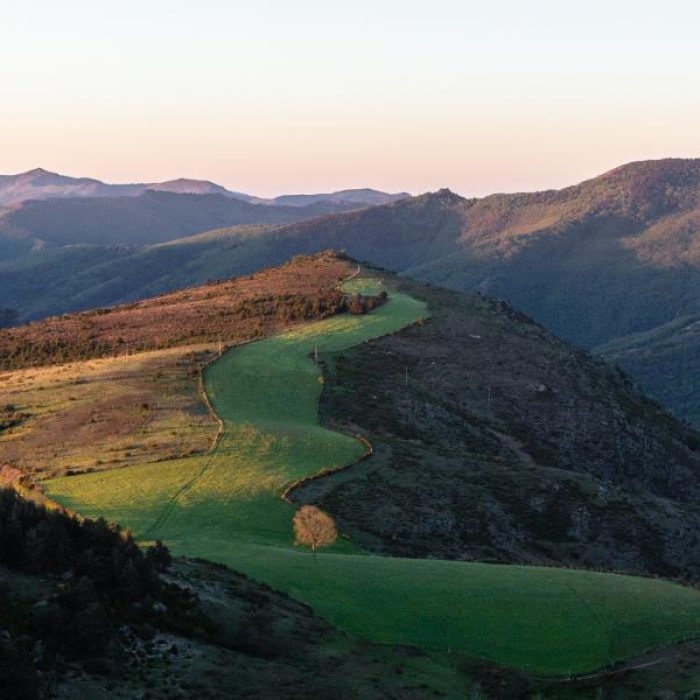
column 107, row 413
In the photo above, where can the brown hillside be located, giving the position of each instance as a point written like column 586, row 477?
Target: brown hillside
column 232, row 311
column 105, row 413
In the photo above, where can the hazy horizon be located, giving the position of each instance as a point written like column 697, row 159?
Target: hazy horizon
column 320, row 190
column 276, row 98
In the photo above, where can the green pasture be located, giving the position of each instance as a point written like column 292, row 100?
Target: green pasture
column 548, row 621
column 226, row 507
column 267, row 395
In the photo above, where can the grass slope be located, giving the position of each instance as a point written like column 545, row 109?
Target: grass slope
column 267, row 394
column 141, row 408
column 226, row 507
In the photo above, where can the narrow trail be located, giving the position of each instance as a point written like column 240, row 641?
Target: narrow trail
column 211, row 454
column 656, row 658
column 177, row 496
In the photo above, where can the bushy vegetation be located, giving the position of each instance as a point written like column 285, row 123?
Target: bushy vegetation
column 36, row 540
column 10, row 417
column 81, row 337
column 105, row 414
column 83, row 580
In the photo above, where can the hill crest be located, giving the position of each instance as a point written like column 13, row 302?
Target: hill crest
column 39, row 184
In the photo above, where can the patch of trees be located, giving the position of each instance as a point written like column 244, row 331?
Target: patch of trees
column 78, row 337
column 36, row 540
column 298, row 307
column 292, row 307
column 362, row 304
column 92, row 580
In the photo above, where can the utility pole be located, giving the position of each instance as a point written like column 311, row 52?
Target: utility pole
column 221, row 347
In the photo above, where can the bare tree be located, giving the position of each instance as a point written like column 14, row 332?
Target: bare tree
column 314, row 528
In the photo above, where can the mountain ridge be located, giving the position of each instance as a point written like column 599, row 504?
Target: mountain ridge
column 477, row 410
column 39, row 183
column 611, row 257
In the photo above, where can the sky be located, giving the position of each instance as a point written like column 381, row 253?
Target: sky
column 272, row 97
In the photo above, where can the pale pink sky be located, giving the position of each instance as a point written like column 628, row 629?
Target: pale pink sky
column 309, row 96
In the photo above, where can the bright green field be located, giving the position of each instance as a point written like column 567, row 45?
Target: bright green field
column 226, row 507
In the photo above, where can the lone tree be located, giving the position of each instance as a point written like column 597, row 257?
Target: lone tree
column 314, row 528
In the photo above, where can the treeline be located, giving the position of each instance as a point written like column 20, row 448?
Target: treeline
column 36, row 540
column 78, row 337
column 297, row 307
column 95, row 580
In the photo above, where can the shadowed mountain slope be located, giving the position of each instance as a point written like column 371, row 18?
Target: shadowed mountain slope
column 495, row 440
column 151, row 217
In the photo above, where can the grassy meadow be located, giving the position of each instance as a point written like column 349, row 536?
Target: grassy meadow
column 105, row 413
column 548, row 621
column 226, row 506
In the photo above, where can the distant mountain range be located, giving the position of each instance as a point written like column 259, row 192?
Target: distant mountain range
column 42, row 184
column 40, row 209
column 612, row 264
column 154, row 216
column 362, row 197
